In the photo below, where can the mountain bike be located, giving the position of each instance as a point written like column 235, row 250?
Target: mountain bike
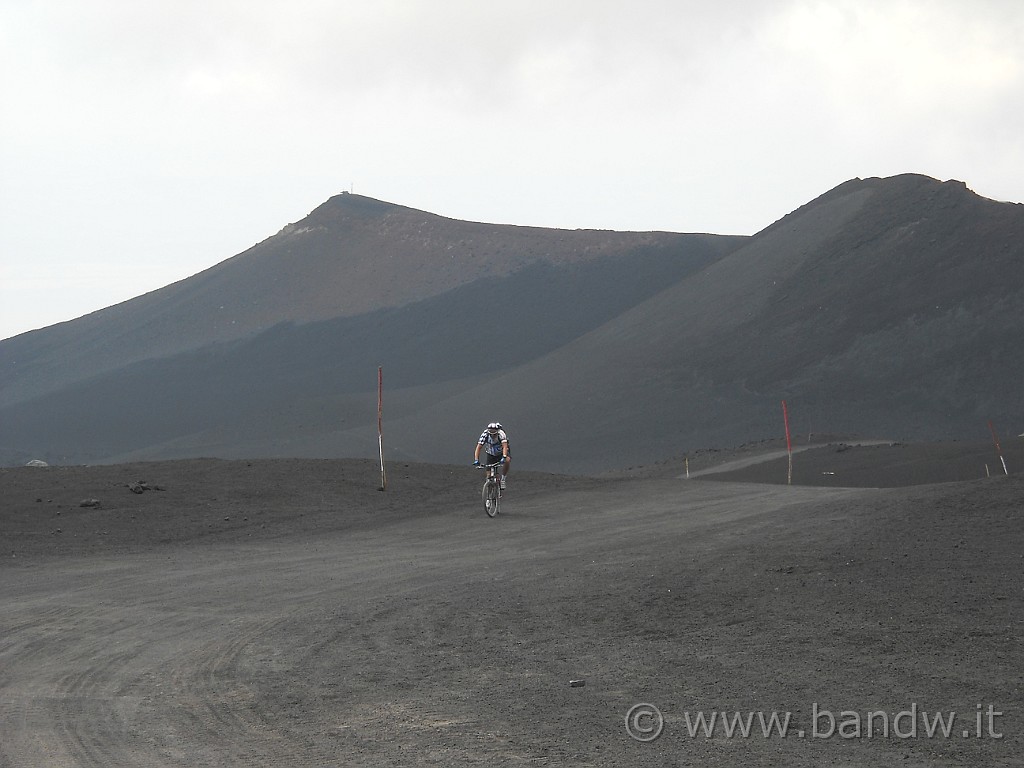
column 491, row 492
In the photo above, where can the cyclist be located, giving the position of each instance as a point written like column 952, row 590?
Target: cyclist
column 494, row 442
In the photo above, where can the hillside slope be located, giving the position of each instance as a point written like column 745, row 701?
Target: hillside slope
column 352, row 255
column 885, row 307
column 97, row 395
column 890, row 307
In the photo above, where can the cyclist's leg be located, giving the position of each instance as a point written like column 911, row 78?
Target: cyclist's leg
column 494, row 464
column 492, row 459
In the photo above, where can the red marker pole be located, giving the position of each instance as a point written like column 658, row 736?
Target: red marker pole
column 999, row 450
column 789, row 444
column 380, row 425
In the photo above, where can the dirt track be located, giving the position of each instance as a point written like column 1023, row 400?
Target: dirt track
column 289, row 614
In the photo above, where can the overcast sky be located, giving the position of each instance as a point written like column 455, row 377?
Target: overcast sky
column 142, row 141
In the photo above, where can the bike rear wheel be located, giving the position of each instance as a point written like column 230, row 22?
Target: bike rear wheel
column 491, row 495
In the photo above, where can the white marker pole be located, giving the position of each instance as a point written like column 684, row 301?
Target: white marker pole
column 789, row 444
column 380, row 425
column 999, row 450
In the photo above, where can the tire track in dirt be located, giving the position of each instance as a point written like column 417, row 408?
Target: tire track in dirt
column 218, row 714
column 438, row 651
column 39, row 700
column 237, row 655
column 127, row 681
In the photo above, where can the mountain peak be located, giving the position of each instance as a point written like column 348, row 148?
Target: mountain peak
column 360, row 204
column 346, row 209
column 888, row 306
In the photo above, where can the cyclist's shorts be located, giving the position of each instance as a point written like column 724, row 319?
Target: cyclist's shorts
column 492, row 459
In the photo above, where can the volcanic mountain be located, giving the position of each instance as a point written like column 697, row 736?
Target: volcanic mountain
column 890, row 307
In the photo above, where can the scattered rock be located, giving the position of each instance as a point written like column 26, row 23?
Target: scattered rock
column 142, row 486
column 89, row 503
column 577, row 683
column 37, row 463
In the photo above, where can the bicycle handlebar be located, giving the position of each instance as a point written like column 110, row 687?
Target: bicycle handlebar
column 488, row 466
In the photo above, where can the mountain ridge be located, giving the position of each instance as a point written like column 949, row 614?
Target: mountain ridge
column 349, row 256
column 888, row 307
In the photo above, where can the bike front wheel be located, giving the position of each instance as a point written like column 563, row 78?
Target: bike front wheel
column 490, row 495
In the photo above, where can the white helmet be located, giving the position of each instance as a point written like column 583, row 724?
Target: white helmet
column 493, row 426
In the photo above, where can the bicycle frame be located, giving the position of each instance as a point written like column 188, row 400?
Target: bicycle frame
column 492, row 488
